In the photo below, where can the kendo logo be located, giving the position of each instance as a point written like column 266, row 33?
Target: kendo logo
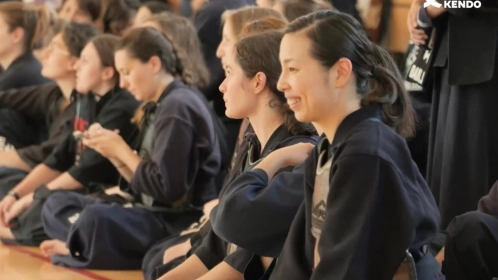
column 453, row 4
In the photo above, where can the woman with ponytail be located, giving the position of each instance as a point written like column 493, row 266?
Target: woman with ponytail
column 250, row 91
column 366, row 205
column 166, row 177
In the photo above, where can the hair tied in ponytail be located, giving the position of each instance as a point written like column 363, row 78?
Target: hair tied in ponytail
column 373, row 71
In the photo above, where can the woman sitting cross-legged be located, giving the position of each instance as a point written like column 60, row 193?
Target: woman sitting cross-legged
column 170, row 176
column 71, row 165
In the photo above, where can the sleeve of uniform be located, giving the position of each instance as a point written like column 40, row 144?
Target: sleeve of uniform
column 63, row 155
column 33, row 102
column 239, row 259
column 33, row 155
column 489, row 203
column 368, row 224
column 92, row 166
column 250, row 204
column 167, row 176
column 212, row 251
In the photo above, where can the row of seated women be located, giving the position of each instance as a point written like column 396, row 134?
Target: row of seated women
column 131, row 175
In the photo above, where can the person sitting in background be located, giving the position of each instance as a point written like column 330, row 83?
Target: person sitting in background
column 51, row 105
column 169, row 179
column 24, row 26
column 207, row 21
column 83, row 11
column 149, row 9
column 71, row 165
column 118, row 16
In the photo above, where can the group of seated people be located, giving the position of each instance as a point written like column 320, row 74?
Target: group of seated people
column 113, row 158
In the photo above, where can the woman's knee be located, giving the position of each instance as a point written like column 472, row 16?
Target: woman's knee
column 467, row 228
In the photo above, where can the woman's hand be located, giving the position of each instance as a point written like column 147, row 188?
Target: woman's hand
column 17, row 208
column 293, row 155
column 106, row 142
column 417, row 36
column 5, row 206
column 288, row 156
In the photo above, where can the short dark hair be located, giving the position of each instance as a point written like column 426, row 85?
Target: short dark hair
column 77, row 35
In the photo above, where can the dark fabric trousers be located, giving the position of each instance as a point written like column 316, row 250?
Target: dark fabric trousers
column 152, row 265
column 471, row 251
column 17, row 132
column 107, row 236
column 9, row 178
column 463, row 144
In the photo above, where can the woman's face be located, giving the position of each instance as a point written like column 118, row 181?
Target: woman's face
column 142, row 16
column 90, row 75
column 227, row 42
column 71, row 11
column 240, row 100
column 56, row 60
column 136, row 76
column 308, row 86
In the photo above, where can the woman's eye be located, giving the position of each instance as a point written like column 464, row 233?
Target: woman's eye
column 291, row 69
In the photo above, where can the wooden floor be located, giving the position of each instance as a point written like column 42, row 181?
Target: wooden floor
column 27, row 263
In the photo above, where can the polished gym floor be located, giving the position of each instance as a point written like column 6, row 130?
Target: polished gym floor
column 27, row 263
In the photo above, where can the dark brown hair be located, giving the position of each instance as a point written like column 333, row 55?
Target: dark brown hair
column 54, row 27
column 183, row 36
column 335, row 35
column 106, row 45
column 76, row 36
column 293, row 9
column 92, row 8
column 145, row 42
column 263, row 24
column 265, row 47
column 118, row 15
column 34, row 19
column 240, row 17
column 156, row 7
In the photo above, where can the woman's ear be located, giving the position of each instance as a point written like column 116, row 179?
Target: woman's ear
column 341, row 72
column 155, row 64
column 259, row 82
column 108, row 73
column 18, row 35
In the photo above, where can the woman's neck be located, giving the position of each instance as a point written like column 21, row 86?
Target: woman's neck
column 163, row 83
column 67, row 86
column 265, row 122
column 7, row 60
column 103, row 89
column 330, row 123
